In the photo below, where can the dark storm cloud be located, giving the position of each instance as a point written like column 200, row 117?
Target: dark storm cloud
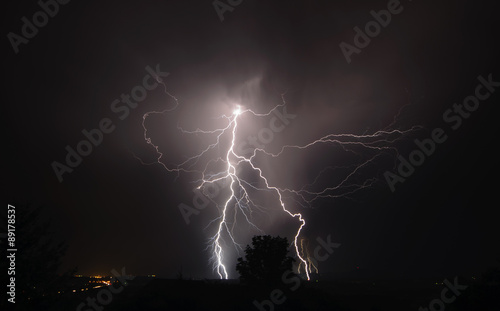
column 115, row 212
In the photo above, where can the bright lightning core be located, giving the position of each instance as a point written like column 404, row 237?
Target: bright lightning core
column 241, row 202
column 237, row 111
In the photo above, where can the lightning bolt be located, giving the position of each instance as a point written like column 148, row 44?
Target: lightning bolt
column 309, row 259
column 366, row 148
column 242, row 200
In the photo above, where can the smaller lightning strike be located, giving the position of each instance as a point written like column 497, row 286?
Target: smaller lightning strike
column 307, row 256
column 240, row 201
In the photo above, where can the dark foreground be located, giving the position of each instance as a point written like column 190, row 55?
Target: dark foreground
column 375, row 295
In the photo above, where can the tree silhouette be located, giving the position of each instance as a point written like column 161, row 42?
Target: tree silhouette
column 266, row 261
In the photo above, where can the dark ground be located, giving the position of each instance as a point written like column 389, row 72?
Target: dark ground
column 362, row 295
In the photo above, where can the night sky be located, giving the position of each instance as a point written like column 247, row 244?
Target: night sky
column 115, row 212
